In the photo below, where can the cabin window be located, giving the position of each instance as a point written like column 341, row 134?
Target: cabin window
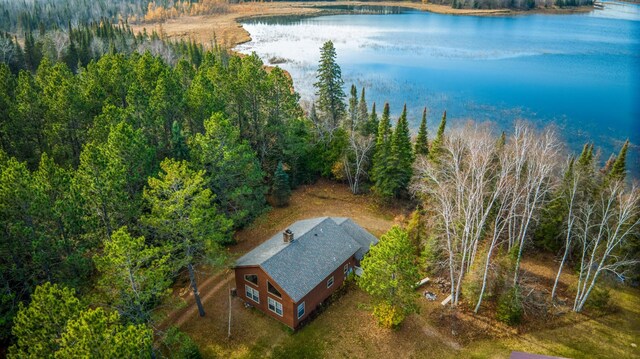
column 300, row 310
column 271, row 289
column 252, row 293
column 346, row 268
column 251, row 278
column 274, row 306
column 330, row 282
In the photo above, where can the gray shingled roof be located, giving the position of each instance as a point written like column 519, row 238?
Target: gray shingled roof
column 320, row 245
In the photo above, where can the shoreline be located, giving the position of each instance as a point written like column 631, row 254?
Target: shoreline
column 226, row 28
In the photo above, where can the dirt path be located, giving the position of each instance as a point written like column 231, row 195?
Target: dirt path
column 180, row 317
column 432, row 332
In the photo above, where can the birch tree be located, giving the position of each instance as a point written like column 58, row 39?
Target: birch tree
column 356, row 160
column 570, row 222
column 461, row 188
column 606, row 224
column 535, row 157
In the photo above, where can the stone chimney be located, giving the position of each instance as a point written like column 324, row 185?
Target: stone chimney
column 287, row 236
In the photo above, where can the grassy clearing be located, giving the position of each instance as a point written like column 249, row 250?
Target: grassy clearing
column 346, row 328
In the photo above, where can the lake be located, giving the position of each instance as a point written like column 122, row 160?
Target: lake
column 580, row 72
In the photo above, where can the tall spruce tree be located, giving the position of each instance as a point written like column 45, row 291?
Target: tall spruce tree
column 401, row 156
column 363, row 115
column 619, row 168
column 436, row 144
column 281, row 186
column 351, row 121
column 381, row 157
column 373, row 122
column 329, row 87
column 422, row 144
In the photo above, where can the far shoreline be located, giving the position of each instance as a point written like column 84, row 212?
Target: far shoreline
column 226, row 29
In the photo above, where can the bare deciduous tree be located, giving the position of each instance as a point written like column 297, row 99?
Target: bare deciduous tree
column 479, row 190
column 461, row 188
column 605, row 225
column 572, row 203
column 535, row 157
column 356, row 159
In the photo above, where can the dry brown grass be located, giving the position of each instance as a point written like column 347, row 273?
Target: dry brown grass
column 347, row 329
column 229, row 32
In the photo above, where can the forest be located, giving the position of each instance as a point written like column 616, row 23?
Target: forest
column 128, row 160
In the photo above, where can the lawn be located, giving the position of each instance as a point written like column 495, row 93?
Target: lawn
column 346, row 329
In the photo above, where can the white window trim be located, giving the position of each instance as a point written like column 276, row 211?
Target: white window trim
column 273, row 294
column 330, row 280
column 253, row 291
column 275, row 306
column 304, row 309
column 250, row 282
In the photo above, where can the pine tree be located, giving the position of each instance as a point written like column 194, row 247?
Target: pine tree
column 96, row 333
column 281, row 187
column 422, row 144
column 329, row 88
column 381, row 157
column 363, row 115
column 232, row 170
column 179, row 148
column 401, row 156
column 135, row 277
column 618, row 170
column 184, row 218
column 436, row 144
column 370, row 126
column 38, row 326
column 502, row 141
column 351, row 122
column 389, row 276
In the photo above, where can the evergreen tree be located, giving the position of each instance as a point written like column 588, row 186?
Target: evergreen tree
column 502, row 141
column 39, row 326
column 422, row 144
column 436, row 144
column 363, row 114
column 329, row 88
column 281, row 188
column 372, row 123
column 179, row 148
column 134, row 276
column 618, row 170
column 232, row 171
column 401, row 156
column 94, row 333
column 389, row 276
column 28, row 121
column 351, row 122
column 382, row 155
column 184, row 219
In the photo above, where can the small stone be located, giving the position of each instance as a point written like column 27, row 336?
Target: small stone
column 634, row 345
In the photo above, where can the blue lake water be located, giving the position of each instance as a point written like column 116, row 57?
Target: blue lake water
column 579, row 72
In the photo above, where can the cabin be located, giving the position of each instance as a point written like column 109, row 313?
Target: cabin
column 291, row 274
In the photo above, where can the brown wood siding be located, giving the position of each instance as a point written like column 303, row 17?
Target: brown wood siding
column 287, row 303
column 318, row 294
column 289, row 309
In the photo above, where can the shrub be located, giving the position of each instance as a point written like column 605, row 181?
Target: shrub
column 180, row 345
column 599, row 298
column 388, row 316
column 510, row 307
